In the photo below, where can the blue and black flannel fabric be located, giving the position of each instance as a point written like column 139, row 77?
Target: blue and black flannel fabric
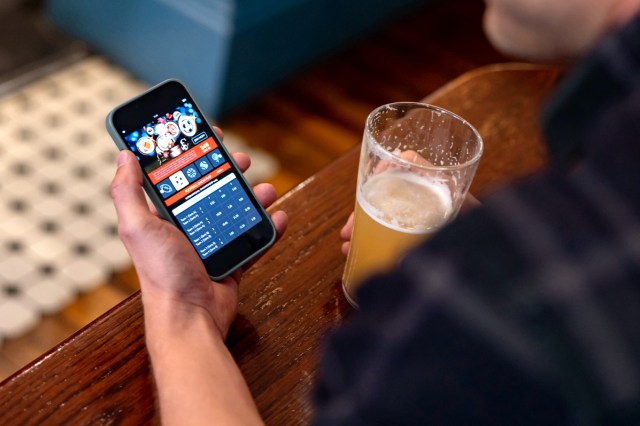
column 525, row 311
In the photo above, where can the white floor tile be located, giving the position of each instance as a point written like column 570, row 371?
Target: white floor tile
column 50, row 295
column 16, row 318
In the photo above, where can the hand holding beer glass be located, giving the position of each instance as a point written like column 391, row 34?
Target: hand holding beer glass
column 416, row 165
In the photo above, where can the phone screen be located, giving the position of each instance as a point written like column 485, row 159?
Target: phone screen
column 193, row 177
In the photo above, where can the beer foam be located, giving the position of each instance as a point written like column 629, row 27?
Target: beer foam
column 405, row 201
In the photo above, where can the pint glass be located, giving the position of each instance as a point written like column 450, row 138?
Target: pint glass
column 416, row 165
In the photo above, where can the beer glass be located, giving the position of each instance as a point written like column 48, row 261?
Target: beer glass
column 416, row 165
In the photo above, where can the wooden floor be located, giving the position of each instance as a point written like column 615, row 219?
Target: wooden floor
column 311, row 120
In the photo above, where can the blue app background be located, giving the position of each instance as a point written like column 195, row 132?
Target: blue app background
column 219, row 217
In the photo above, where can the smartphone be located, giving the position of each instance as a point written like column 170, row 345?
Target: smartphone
column 191, row 178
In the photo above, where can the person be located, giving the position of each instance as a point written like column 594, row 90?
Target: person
column 522, row 311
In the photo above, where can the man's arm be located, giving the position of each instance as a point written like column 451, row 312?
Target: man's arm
column 198, row 380
column 187, row 316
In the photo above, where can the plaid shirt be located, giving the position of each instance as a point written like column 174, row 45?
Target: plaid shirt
column 527, row 310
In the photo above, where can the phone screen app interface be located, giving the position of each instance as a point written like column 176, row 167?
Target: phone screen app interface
column 183, row 161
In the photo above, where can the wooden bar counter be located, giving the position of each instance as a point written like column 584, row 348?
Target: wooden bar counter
column 290, row 299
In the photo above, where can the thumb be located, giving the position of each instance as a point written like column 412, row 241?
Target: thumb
column 126, row 191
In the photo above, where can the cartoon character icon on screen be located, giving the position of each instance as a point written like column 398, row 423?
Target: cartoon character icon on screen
column 161, row 155
column 161, row 129
column 184, row 144
column 164, row 143
column 187, row 125
column 146, row 145
column 172, row 129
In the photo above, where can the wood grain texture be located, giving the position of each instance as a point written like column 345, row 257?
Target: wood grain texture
column 289, row 300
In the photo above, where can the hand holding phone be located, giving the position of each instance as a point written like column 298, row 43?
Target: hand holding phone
column 191, row 179
column 166, row 264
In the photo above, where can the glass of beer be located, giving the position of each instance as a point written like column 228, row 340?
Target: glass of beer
column 416, row 165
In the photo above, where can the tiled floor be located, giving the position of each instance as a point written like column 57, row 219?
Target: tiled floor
column 58, row 232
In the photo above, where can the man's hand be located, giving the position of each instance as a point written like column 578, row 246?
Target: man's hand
column 167, row 265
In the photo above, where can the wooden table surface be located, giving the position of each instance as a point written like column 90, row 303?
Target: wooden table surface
column 290, row 299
